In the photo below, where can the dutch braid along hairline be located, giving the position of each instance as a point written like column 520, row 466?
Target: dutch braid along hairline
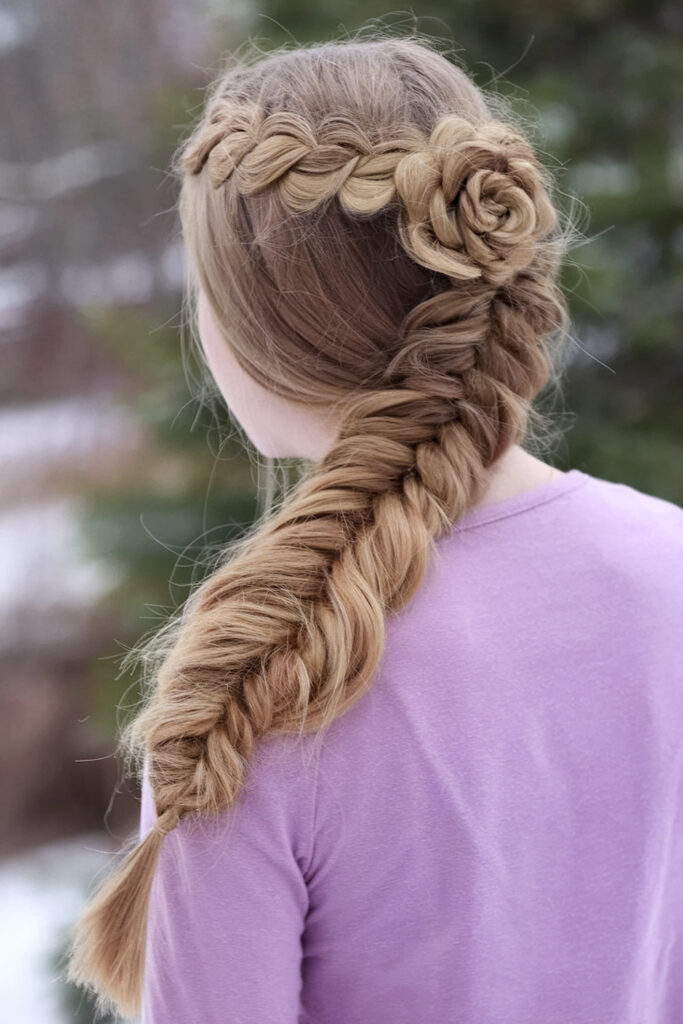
column 473, row 198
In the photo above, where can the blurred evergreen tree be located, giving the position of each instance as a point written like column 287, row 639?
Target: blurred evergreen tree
column 192, row 490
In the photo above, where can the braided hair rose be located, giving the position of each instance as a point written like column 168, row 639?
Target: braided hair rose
column 474, row 201
column 473, row 197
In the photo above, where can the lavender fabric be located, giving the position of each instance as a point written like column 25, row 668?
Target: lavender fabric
column 492, row 834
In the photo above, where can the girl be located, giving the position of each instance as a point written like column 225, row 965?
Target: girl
column 413, row 749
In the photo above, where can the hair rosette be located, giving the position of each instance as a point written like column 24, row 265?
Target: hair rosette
column 474, row 201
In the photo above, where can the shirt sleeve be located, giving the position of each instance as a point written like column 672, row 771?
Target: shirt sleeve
column 229, row 900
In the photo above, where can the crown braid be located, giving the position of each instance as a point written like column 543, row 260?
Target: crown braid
column 288, row 631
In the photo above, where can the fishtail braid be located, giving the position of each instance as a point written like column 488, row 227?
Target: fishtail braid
column 287, row 632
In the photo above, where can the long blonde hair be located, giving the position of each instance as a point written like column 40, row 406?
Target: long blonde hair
column 373, row 237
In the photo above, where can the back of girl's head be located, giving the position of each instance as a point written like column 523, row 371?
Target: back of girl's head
column 370, row 235
column 310, row 256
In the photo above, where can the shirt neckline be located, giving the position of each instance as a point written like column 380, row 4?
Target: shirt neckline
column 535, row 496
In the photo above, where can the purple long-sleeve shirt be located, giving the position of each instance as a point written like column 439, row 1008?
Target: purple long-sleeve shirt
column 493, row 834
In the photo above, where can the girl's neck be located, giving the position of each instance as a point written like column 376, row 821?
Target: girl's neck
column 515, row 472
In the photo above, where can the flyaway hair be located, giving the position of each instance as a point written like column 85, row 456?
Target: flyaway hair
column 372, row 238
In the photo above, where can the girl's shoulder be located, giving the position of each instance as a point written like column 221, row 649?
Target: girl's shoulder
column 634, row 528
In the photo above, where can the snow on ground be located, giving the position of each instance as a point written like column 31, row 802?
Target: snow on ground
column 34, row 437
column 47, row 575
column 41, row 894
column 46, row 578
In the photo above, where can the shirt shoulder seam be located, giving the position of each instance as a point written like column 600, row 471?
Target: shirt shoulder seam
column 495, row 517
